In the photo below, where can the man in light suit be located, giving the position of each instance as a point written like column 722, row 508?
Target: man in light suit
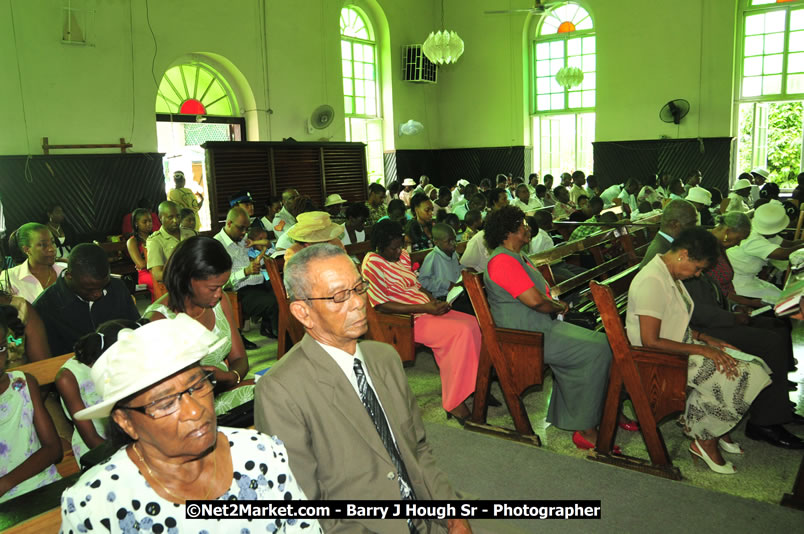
column 315, row 400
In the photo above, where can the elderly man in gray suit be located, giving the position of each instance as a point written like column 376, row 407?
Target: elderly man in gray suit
column 344, row 409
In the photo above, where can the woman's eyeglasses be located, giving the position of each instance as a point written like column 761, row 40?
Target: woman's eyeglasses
column 170, row 404
column 343, row 295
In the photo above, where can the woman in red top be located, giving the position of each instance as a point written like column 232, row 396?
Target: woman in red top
column 143, row 226
column 453, row 336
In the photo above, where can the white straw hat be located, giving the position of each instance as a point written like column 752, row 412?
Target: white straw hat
column 314, row 227
column 700, row 195
column 770, row 219
column 143, row 357
column 333, row 199
column 762, row 172
column 408, row 182
column 741, row 184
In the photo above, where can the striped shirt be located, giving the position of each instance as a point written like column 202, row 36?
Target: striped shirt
column 392, row 281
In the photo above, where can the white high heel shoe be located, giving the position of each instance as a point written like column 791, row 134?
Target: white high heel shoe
column 731, row 448
column 725, row 469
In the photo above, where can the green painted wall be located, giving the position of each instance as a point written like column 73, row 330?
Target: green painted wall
column 648, row 53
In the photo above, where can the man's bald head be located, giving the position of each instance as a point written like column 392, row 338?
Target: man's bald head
column 237, row 222
column 169, row 216
column 678, row 215
column 288, row 196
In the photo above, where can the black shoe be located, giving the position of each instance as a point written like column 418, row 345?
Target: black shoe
column 776, row 435
column 249, row 345
column 265, row 331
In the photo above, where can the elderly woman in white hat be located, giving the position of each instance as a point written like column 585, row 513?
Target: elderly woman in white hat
column 761, row 246
column 701, row 199
column 159, row 400
column 738, row 197
column 313, row 227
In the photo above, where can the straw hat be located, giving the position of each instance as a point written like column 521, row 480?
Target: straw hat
column 333, row 199
column 314, row 227
column 408, row 182
column 770, row 219
column 741, row 184
column 141, row 358
column 762, row 172
column 700, row 195
column 428, row 188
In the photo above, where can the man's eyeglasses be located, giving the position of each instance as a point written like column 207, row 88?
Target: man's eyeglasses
column 343, row 295
column 170, row 404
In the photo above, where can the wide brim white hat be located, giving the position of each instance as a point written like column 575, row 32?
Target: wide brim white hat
column 315, row 227
column 770, row 219
column 463, row 183
column 143, row 357
column 334, row 199
column 741, row 184
column 762, row 172
column 699, row 194
column 408, row 182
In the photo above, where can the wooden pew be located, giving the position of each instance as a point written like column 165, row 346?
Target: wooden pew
column 656, row 382
column 35, row 512
column 289, row 330
column 517, row 356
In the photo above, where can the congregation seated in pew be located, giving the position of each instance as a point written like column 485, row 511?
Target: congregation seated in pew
column 418, row 231
column 453, row 336
column 720, row 387
column 354, row 229
column 169, row 447
column 519, row 298
column 137, row 251
column 473, row 221
column 85, row 295
column 39, row 268
column 160, row 244
column 767, row 337
column 29, row 444
column 194, row 277
column 77, row 390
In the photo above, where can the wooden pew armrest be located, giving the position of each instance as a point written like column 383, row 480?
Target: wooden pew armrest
column 395, row 319
column 520, row 337
column 667, row 358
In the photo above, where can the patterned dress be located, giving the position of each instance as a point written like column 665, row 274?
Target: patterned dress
column 18, row 438
column 113, row 496
column 227, row 400
column 715, row 404
column 90, row 397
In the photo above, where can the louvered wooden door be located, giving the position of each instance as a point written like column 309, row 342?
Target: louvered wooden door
column 268, row 168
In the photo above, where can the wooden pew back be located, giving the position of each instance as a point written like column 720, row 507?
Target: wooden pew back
column 516, row 355
column 290, row 330
column 654, row 379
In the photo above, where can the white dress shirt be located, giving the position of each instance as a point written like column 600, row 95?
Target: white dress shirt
column 476, row 255
column 346, row 362
column 24, row 283
column 240, row 260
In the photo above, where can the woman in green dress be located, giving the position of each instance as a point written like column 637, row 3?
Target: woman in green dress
column 195, row 275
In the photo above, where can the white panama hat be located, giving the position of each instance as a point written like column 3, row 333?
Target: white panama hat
column 770, row 219
column 741, row 184
column 408, row 182
column 141, row 358
column 700, row 195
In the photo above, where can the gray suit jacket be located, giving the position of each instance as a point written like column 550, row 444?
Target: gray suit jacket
column 659, row 245
column 333, row 447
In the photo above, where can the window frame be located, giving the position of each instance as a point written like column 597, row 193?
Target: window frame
column 537, row 39
column 748, row 10
column 372, row 41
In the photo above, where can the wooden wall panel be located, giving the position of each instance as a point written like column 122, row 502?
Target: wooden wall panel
column 95, row 190
column 617, row 161
column 447, row 166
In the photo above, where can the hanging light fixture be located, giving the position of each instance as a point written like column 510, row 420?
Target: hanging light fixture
column 569, row 77
column 443, row 47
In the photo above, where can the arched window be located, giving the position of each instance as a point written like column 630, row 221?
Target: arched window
column 771, row 88
column 563, row 118
column 195, row 89
column 194, row 104
column 361, row 101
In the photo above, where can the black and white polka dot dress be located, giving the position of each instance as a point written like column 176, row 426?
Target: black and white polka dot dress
column 114, row 497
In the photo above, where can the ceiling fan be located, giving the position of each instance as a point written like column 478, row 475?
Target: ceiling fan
column 538, row 8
